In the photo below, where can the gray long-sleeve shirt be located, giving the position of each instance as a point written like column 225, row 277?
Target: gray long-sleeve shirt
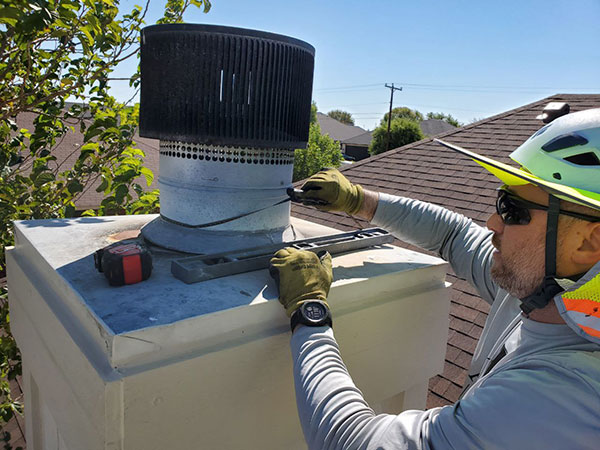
column 544, row 394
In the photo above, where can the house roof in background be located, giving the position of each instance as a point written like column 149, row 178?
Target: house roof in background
column 427, row 171
column 67, row 151
column 337, row 130
column 360, row 139
column 433, row 127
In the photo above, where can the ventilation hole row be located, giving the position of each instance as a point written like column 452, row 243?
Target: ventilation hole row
column 228, row 159
column 247, row 156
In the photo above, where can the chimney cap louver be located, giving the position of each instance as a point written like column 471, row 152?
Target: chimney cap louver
column 218, row 85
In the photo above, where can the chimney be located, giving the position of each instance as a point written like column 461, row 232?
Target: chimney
column 229, row 106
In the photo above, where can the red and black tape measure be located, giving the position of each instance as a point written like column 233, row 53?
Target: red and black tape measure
column 124, row 262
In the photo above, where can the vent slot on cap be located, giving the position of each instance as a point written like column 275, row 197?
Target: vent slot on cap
column 584, row 159
column 564, row 141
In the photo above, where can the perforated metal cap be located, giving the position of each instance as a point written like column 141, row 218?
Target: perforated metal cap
column 225, row 86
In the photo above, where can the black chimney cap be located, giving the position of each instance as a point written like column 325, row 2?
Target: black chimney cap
column 553, row 110
column 228, row 86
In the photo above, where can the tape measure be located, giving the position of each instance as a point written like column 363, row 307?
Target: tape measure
column 124, row 262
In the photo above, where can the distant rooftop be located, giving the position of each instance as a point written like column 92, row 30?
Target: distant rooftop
column 337, row 130
column 433, row 127
column 360, row 139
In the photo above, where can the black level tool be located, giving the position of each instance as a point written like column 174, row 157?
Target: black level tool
column 206, row 267
column 124, row 262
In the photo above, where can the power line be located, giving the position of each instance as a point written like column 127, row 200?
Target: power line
column 355, row 104
column 456, row 88
column 349, row 87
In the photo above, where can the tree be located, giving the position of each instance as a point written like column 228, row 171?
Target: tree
column 402, row 132
column 52, row 51
column 341, row 116
column 445, row 117
column 402, row 112
column 321, row 151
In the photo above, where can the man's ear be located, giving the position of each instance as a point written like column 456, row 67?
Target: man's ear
column 588, row 252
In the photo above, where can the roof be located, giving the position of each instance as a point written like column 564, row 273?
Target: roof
column 337, row 130
column 427, row 171
column 432, row 127
column 67, row 152
column 360, row 139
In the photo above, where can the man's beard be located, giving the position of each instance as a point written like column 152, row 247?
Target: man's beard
column 521, row 273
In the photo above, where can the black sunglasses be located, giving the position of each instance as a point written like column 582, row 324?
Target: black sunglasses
column 514, row 210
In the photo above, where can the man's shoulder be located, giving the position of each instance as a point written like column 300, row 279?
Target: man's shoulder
column 577, row 368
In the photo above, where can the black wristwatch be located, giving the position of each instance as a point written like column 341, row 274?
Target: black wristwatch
column 313, row 313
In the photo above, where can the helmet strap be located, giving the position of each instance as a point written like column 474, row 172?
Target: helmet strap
column 549, row 287
column 552, row 234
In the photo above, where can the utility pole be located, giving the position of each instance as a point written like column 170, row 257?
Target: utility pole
column 392, row 89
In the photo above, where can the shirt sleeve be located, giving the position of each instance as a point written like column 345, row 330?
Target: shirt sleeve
column 454, row 237
column 538, row 405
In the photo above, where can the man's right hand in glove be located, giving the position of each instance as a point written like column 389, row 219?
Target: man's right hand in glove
column 333, row 188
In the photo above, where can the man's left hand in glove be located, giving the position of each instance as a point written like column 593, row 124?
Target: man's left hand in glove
column 301, row 276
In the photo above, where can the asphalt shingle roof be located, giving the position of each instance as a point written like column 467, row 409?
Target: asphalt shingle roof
column 427, row 171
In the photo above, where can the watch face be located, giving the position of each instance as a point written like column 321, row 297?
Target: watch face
column 314, row 311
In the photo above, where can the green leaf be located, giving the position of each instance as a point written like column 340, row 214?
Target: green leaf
column 74, row 187
column 88, row 149
column 133, row 162
column 103, row 186
column 70, row 210
column 10, row 16
column 89, row 40
column 120, row 192
column 92, row 132
column 43, row 178
column 107, row 201
column 148, row 174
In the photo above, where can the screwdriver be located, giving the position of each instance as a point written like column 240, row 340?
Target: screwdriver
column 293, row 194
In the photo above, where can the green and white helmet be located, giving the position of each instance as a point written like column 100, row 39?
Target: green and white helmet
column 566, row 152
column 563, row 158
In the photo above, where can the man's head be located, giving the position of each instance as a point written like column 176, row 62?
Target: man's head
column 519, row 260
column 560, row 167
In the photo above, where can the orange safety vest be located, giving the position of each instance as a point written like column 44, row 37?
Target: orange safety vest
column 579, row 305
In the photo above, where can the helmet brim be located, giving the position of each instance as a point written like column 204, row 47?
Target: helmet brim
column 513, row 176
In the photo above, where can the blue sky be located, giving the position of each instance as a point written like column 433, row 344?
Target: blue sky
column 472, row 59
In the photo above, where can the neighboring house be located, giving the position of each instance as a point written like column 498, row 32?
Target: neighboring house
column 357, row 147
column 427, row 171
column 67, row 151
column 354, row 141
column 433, row 127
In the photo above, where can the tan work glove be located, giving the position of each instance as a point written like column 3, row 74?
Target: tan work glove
column 334, row 188
column 301, row 276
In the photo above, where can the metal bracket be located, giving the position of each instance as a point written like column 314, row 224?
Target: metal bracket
column 206, row 267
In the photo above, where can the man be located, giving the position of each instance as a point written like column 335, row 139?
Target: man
column 534, row 382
